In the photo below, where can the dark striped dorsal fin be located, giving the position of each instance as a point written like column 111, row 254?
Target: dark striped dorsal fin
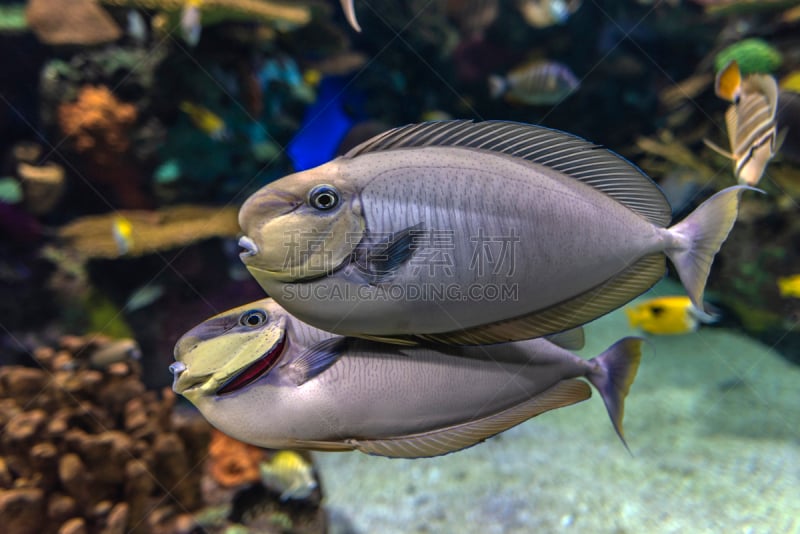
column 573, row 156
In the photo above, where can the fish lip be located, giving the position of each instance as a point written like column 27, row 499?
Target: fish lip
column 262, row 365
column 176, row 368
column 187, row 387
column 249, row 246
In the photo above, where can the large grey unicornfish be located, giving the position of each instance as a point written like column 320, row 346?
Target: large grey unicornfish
column 472, row 233
column 266, row 378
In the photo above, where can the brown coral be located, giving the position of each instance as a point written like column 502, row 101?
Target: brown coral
column 231, row 462
column 91, row 451
column 65, row 464
column 97, row 122
column 168, row 228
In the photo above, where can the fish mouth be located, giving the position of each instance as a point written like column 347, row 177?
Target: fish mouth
column 183, row 383
column 177, row 368
column 249, row 246
column 255, row 370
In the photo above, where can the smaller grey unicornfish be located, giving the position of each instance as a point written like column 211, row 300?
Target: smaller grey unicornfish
column 266, row 378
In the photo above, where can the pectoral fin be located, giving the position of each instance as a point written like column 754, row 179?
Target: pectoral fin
column 378, row 261
column 315, row 360
column 457, row 437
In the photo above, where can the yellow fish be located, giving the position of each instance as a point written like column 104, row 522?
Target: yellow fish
column 290, row 474
column 750, row 121
column 312, row 77
column 122, row 230
column 789, row 286
column 205, row 120
column 791, row 82
column 666, row 316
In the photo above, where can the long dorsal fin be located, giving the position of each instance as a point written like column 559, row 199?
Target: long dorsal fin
column 576, row 311
column 457, row 437
column 571, row 155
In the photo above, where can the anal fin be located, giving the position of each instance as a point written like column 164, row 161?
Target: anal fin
column 457, row 437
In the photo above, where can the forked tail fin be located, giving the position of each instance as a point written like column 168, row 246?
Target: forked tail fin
column 699, row 237
column 616, row 370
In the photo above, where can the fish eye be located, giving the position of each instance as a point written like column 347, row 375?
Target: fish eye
column 323, row 197
column 253, row 318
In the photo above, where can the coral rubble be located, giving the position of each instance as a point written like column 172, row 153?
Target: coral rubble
column 89, row 450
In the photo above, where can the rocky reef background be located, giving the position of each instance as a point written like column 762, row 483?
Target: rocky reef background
column 86, row 448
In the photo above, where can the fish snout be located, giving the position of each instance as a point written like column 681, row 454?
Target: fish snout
column 177, row 368
column 249, row 246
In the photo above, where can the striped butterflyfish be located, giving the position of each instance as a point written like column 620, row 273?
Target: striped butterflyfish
column 750, row 121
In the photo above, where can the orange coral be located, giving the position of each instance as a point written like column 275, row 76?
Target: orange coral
column 231, row 462
column 97, row 122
